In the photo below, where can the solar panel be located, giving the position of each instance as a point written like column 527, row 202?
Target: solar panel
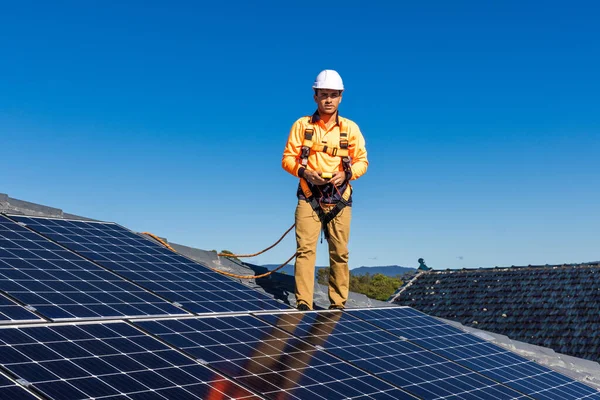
column 13, row 312
column 107, row 361
column 268, row 360
column 151, row 265
column 398, row 361
column 477, row 354
column 60, row 284
column 10, row 390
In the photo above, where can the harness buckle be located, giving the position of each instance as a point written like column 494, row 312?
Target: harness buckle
column 305, row 152
column 346, row 163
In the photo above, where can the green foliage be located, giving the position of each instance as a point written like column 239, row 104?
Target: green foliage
column 378, row 286
column 382, row 287
column 323, row 276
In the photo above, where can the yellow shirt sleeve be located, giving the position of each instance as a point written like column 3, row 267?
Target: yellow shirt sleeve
column 291, row 153
column 358, row 152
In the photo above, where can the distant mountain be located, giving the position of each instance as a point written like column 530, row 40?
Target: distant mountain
column 389, row 270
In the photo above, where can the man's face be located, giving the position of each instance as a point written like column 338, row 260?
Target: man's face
column 328, row 100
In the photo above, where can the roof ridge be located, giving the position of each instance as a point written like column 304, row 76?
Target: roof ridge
column 593, row 264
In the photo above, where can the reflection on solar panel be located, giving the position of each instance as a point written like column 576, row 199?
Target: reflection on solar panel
column 398, row 361
column 477, row 354
column 151, row 265
column 392, row 353
column 107, row 361
column 60, row 284
column 270, row 361
column 10, row 390
column 12, row 312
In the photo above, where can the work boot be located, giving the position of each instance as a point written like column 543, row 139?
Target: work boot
column 303, row 307
column 334, row 307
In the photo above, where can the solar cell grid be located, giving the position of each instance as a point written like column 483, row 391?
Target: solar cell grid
column 149, row 264
column 479, row 355
column 398, row 361
column 60, row 284
column 12, row 312
column 270, row 361
column 107, row 361
column 10, row 390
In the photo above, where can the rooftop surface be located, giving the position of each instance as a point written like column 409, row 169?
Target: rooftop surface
column 553, row 306
column 112, row 252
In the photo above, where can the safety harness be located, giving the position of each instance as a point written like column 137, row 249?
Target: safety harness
column 342, row 152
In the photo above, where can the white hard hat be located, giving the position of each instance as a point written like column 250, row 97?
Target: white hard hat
column 328, row 79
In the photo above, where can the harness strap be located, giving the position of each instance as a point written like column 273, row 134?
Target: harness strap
column 306, row 145
column 339, row 206
column 332, row 151
column 342, row 151
column 324, row 217
column 346, row 161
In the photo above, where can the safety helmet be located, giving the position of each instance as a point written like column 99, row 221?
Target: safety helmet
column 328, row 79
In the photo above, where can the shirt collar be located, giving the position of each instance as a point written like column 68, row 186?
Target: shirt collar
column 316, row 118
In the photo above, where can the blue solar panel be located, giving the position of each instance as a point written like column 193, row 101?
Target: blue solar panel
column 149, row 264
column 107, row 361
column 270, row 361
column 13, row 312
column 392, row 353
column 477, row 354
column 60, row 284
column 9, row 390
column 398, row 361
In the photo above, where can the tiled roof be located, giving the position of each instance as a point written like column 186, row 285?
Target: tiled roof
column 550, row 306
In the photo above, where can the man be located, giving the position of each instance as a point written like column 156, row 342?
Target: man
column 325, row 151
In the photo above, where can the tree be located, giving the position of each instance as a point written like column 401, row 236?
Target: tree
column 378, row 286
column 323, row 276
column 382, row 287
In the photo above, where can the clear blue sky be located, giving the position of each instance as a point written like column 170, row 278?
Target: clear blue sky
column 482, row 121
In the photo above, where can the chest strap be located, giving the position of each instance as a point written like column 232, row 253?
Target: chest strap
column 342, row 151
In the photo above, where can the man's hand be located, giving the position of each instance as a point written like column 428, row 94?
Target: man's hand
column 338, row 178
column 314, row 177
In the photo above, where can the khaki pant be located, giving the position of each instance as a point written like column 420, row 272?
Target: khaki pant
column 308, row 229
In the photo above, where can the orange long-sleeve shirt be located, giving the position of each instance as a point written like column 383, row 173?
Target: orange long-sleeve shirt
column 320, row 161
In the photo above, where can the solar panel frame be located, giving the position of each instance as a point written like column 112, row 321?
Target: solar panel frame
column 170, row 275
column 10, row 389
column 12, row 312
column 268, row 360
column 110, row 361
column 61, row 285
column 398, row 361
column 477, row 354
